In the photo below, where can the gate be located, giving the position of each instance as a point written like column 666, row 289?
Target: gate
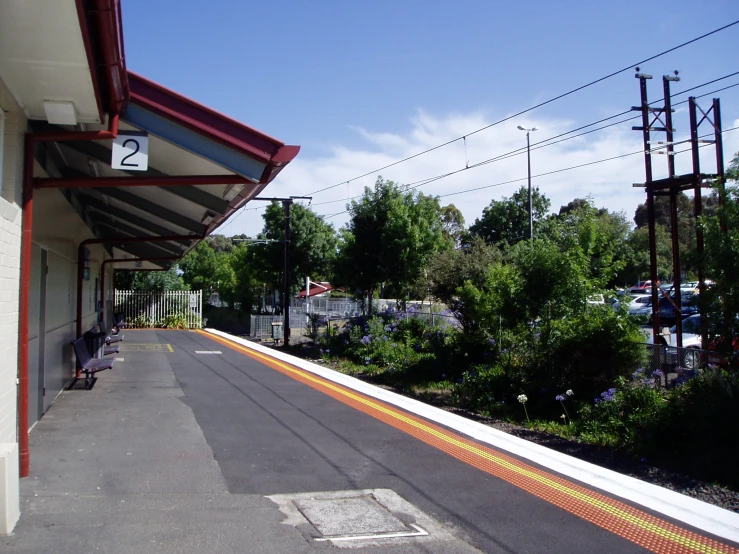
column 180, row 309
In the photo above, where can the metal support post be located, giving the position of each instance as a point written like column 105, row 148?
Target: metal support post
column 650, row 200
column 666, row 79
column 286, row 274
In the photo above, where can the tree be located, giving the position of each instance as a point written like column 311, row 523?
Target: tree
column 453, row 224
column 390, row 238
column 722, row 263
column 150, row 281
column 508, row 219
column 637, row 261
column 313, row 245
column 220, row 243
column 204, row 269
column 451, row 269
column 597, row 234
column 686, row 225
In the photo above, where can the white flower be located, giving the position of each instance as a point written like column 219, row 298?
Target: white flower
column 522, row 398
column 563, row 416
column 569, row 392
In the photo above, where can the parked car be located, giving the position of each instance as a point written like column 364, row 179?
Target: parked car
column 640, row 305
column 666, row 308
column 643, row 287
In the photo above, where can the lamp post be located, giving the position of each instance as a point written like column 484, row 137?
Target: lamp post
column 528, row 156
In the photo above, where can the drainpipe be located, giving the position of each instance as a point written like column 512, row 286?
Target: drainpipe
column 30, row 141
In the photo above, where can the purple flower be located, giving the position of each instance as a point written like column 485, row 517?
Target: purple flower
column 366, row 339
column 559, row 398
column 491, row 342
column 658, row 373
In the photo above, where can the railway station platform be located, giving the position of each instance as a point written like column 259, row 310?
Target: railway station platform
column 201, row 442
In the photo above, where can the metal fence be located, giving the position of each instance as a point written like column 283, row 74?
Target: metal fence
column 157, row 309
column 261, row 325
column 673, row 362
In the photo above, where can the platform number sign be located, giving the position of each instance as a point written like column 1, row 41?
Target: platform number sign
column 131, row 151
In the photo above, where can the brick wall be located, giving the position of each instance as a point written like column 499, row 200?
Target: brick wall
column 14, row 126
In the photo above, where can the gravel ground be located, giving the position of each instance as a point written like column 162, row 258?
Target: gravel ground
column 604, row 457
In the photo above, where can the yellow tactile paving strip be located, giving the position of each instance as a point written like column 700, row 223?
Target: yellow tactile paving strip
column 621, row 519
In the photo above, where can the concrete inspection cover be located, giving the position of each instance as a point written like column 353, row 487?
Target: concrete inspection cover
column 363, row 515
column 359, row 518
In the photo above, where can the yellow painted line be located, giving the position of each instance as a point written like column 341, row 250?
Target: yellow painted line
column 133, row 347
column 670, row 533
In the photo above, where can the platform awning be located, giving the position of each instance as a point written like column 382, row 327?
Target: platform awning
column 202, row 167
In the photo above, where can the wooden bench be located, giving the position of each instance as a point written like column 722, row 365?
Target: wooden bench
column 88, row 364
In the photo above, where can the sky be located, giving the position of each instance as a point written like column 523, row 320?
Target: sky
column 362, row 85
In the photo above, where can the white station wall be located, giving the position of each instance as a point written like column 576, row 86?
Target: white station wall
column 12, row 126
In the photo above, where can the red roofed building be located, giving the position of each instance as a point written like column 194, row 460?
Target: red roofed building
column 316, row 290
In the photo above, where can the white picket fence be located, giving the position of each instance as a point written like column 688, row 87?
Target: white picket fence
column 152, row 309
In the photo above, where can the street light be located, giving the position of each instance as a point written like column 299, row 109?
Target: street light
column 528, row 155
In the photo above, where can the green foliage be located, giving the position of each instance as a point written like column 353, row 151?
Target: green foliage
column 600, row 237
column 507, row 220
column 637, row 262
column 696, row 430
column 390, row 238
column 207, row 270
column 485, row 389
column 453, row 224
column 141, row 322
column 451, row 269
column 313, row 245
column 623, row 415
column 173, row 321
column 150, row 281
column 587, row 351
column 722, row 266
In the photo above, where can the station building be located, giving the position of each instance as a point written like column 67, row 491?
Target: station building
column 67, row 216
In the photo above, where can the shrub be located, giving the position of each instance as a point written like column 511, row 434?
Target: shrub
column 586, row 352
column 142, row 322
column 174, row 321
column 623, row 415
column 697, row 431
column 484, row 389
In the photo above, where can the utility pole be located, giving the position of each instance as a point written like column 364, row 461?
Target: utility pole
column 645, row 128
column 674, row 185
column 286, row 203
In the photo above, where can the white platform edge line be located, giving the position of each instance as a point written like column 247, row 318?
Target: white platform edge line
column 702, row 515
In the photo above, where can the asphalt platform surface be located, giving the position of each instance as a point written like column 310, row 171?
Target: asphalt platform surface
column 179, row 447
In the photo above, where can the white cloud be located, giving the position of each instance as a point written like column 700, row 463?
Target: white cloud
column 608, row 183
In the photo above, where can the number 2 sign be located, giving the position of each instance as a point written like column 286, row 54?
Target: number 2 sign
column 131, row 151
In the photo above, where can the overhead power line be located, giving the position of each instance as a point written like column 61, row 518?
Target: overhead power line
column 475, row 189
column 539, row 105
column 551, row 140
